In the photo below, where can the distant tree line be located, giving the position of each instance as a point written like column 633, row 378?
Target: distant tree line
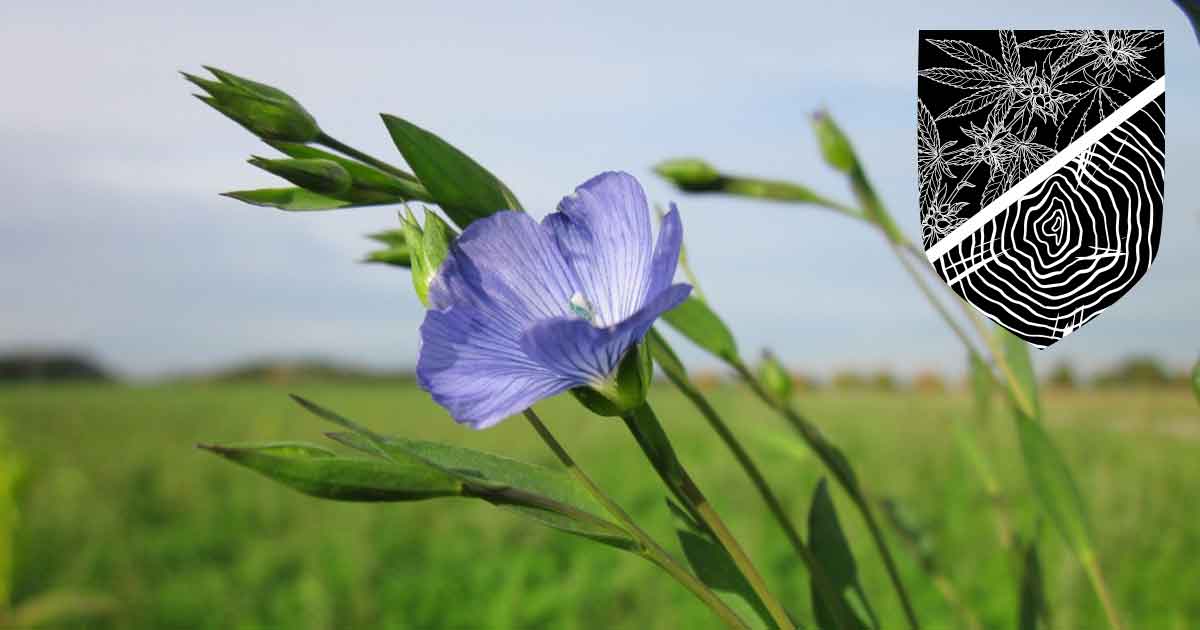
column 50, row 366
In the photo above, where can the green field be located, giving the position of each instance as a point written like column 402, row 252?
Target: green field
column 120, row 502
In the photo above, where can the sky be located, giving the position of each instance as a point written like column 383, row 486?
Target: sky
column 113, row 238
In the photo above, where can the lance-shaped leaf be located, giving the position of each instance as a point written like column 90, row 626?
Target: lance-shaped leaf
column 298, row 199
column 402, row 185
column 664, row 355
column 840, row 154
column 322, row 473
column 396, row 252
column 1053, row 485
column 1196, row 380
column 1016, row 354
column 832, row 551
column 1032, row 601
column 547, row 496
column 717, row 570
column 465, row 190
column 696, row 321
column 544, row 494
column 981, row 385
column 399, row 256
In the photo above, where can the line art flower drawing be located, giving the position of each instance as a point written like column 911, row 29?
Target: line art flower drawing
column 521, row 310
column 1000, row 114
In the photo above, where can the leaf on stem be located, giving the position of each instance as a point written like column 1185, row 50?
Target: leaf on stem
column 713, row 566
column 465, row 190
column 696, row 321
column 1032, row 602
column 832, row 551
column 322, row 473
column 547, row 495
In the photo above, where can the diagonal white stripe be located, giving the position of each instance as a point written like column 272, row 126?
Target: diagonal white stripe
column 1014, row 194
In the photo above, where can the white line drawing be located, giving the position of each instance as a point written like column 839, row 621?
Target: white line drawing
column 1040, row 165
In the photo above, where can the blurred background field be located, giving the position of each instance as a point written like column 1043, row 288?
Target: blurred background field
column 116, row 502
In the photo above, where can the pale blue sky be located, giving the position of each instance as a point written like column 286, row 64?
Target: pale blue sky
column 112, row 236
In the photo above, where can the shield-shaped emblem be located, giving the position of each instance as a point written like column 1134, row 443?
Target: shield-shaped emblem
column 1040, row 159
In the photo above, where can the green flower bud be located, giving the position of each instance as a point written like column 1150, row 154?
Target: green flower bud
column 264, row 111
column 835, row 147
column 427, row 247
column 625, row 390
column 320, row 176
column 691, row 174
column 775, row 377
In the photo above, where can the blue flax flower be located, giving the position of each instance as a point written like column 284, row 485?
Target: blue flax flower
column 521, row 310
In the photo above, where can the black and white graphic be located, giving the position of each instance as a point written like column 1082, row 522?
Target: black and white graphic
column 1040, row 158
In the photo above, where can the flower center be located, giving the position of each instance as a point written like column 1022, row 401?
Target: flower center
column 581, row 307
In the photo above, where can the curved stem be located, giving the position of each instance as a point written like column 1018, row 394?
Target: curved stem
column 818, row 443
column 349, row 151
column 647, row 430
column 1092, row 567
column 651, row 550
column 774, row 505
column 925, row 289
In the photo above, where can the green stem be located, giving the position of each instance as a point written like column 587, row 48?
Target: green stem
column 819, row 444
column 1092, row 566
column 774, row 505
column 650, row 549
column 349, row 151
column 647, row 430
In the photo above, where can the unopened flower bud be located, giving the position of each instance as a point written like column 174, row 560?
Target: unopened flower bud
column 690, row 174
column 775, row 377
column 265, row 111
column 320, row 176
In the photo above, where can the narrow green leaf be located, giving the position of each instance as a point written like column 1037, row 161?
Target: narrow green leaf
column 981, row 385
column 375, row 441
column 968, row 443
column 391, row 238
column 840, row 154
column 547, row 495
column 364, row 176
column 1016, row 353
column 1054, row 487
column 696, row 321
column 832, row 551
column 665, row 356
column 465, row 190
column 1032, row 603
column 716, row 569
column 1196, row 380
column 321, row 473
column 399, row 256
column 296, row 199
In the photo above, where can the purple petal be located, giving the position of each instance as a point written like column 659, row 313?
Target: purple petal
column 502, row 275
column 583, row 354
column 666, row 252
column 603, row 231
column 478, row 376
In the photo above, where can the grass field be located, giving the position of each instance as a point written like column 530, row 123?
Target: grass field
column 120, row 502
